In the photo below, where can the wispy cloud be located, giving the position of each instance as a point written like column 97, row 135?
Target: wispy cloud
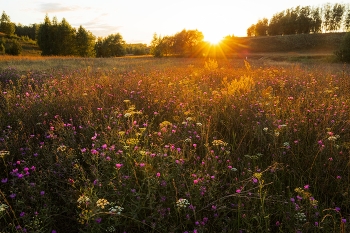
column 54, row 7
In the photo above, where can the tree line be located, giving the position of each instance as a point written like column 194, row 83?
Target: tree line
column 61, row 39
column 304, row 20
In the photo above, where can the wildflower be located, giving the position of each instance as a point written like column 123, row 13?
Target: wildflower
column 118, row 165
column 4, row 180
column 158, row 174
column 102, row 203
column 116, row 210
column 301, row 217
column 83, row 199
column 3, row 207
column 127, row 115
column 182, row 203
column 265, row 129
column 219, row 143
column 238, row 191
column 61, row 148
column 199, row 124
column 42, row 193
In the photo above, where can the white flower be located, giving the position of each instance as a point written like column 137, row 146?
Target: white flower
column 182, row 203
column 116, row 209
column 3, row 207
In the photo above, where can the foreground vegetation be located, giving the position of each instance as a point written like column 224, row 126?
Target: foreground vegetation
column 173, row 145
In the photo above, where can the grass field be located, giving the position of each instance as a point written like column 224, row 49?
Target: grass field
column 173, row 145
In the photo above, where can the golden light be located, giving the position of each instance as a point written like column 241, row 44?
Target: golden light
column 213, row 38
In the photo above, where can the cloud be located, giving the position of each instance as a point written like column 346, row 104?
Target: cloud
column 99, row 26
column 54, row 7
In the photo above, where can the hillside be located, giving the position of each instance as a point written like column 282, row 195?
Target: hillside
column 29, row 47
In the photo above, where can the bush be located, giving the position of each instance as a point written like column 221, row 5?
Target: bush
column 15, row 48
column 343, row 53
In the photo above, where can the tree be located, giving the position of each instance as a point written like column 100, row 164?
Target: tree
column 316, row 20
column 304, row 20
column 65, row 39
column 261, row 27
column 187, row 42
column 85, row 43
column 327, row 17
column 45, row 37
column 157, row 46
column 275, row 26
column 29, row 31
column 111, row 46
column 251, row 30
column 347, row 20
column 6, row 26
column 337, row 15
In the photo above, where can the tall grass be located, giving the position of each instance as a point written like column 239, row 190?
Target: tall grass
column 173, row 145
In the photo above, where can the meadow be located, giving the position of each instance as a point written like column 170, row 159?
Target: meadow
column 173, row 145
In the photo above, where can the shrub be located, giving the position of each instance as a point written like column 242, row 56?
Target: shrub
column 15, row 48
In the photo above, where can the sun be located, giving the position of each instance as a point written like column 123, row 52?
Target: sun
column 213, row 38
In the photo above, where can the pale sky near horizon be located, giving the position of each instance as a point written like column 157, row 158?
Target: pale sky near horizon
column 138, row 20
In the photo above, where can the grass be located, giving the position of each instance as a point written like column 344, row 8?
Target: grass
column 173, row 145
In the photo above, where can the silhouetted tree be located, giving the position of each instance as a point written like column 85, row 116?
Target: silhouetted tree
column 347, row 20
column 261, row 27
column 304, row 20
column 316, row 22
column 275, row 26
column 251, row 30
column 337, row 15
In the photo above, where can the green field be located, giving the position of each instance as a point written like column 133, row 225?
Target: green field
column 174, row 145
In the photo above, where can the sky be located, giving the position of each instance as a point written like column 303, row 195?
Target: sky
column 138, row 20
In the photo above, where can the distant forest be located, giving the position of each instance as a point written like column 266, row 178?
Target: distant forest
column 61, row 39
column 304, row 20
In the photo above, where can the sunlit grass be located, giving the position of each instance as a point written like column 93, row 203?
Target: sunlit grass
column 173, row 145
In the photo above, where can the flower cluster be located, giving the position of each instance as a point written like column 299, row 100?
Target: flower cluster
column 182, row 203
column 116, row 209
column 3, row 207
column 301, row 217
column 83, row 199
column 102, row 203
column 219, row 143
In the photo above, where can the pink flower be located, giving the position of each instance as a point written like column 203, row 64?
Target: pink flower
column 306, row 186
column 158, row 174
column 142, row 164
column 238, row 191
column 118, row 165
column 195, row 181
